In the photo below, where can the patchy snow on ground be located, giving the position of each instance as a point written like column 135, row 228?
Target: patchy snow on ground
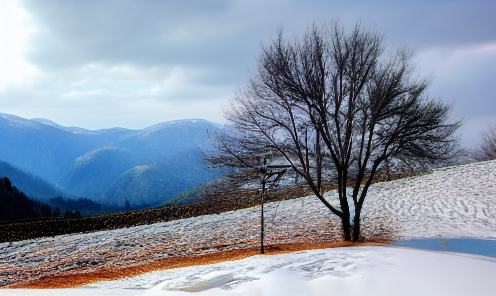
column 447, row 203
column 339, row 271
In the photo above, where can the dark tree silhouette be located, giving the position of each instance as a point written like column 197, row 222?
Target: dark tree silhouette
column 7, row 184
column 68, row 214
column 487, row 150
column 333, row 107
column 46, row 211
column 72, row 215
column 56, row 212
column 77, row 214
column 14, row 204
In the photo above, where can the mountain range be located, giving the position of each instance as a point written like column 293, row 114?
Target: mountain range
column 114, row 166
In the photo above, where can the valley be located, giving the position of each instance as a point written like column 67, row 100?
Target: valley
column 116, row 168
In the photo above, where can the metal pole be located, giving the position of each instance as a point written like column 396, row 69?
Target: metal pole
column 262, row 251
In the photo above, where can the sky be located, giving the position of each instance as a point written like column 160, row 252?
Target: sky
column 106, row 63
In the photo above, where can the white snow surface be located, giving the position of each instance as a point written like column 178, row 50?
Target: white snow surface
column 451, row 202
column 338, row 271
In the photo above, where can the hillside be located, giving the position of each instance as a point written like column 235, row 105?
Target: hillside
column 92, row 173
column 45, row 149
column 157, row 182
column 99, row 164
column 16, row 205
column 447, row 203
column 31, row 185
column 409, row 205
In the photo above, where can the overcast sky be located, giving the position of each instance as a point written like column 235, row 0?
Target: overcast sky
column 108, row 63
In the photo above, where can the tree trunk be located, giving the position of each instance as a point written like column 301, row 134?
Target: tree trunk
column 356, row 224
column 345, row 220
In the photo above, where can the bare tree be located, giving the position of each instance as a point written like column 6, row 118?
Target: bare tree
column 332, row 106
column 487, row 150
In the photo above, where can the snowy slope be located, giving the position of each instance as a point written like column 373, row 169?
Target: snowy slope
column 454, row 202
column 357, row 271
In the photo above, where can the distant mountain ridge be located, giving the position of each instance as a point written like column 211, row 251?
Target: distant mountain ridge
column 33, row 186
column 86, row 163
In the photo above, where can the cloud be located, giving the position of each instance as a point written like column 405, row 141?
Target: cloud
column 14, row 35
column 146, row 33
column 464, row 76
column 93, row 63
column 97, row 92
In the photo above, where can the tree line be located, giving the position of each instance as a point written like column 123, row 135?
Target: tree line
column 16, row 205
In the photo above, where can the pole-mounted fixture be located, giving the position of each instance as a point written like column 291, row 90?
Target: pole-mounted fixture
column 268, row 171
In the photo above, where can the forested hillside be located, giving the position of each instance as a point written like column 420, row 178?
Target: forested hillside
column 109, row 166
column 14, row 204
column 33, row 186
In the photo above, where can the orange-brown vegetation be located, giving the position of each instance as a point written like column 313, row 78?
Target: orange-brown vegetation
column 71, row 280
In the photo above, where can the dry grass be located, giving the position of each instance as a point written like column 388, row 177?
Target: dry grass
column 72, row 280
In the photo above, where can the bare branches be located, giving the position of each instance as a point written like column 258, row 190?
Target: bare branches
column 487, row 150
column 329, row 105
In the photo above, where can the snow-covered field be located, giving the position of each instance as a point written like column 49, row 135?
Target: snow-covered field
column 338, row 271
column 452, row 202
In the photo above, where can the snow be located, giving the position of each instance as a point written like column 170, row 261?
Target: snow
column 179, row 122
column 338, row 271
column 449, row 203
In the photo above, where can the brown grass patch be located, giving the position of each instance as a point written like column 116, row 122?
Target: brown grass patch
column 72, row 280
